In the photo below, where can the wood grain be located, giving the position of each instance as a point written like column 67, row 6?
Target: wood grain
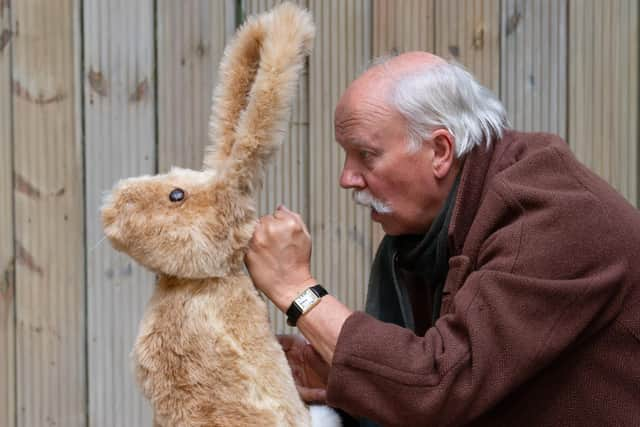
column 49, row 221
column 7, row 258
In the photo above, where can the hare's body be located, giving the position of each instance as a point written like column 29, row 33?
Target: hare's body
column 205, row 355
column 239, row 377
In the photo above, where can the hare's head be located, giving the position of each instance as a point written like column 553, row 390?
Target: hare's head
column 184, row 223
column 198, row 224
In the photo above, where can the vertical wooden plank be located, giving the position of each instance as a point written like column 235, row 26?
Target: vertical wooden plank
column 603, row 69
column 534, row 64
column 191, row 38
column 469, row 33
column 603, row 95
column 632, row 99
column 403, row 26
column 581, row 78
column 340, row 230
column 120, row 142
column 287, row 179
column 7, row 292
column 50, row 333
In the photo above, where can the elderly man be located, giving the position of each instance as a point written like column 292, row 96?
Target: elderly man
column 505, row 292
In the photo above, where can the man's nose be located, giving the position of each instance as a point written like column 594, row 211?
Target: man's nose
column 351, row 179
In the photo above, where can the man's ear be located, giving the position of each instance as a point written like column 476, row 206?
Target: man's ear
column 443, row 152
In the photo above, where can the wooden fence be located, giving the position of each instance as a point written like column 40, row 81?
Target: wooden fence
column 92, row 91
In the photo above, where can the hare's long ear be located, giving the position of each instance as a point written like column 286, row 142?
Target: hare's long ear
column 261, row 125
column 230, row 97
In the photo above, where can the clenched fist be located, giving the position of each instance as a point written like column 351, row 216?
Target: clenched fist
column 279, row 257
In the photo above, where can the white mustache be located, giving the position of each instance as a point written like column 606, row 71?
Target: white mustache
column 364, row 198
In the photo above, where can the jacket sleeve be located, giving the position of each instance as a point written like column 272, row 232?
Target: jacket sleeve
column 532, row 295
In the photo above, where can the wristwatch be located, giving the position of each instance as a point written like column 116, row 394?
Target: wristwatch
column 304, row 302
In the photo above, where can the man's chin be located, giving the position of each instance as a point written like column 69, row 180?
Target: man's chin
column 380, row 219
column 377, row 216
column 388, row 226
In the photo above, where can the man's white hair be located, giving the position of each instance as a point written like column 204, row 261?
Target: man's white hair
column 445, row 96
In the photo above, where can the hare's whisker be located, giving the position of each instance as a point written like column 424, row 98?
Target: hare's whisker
column 98, row 244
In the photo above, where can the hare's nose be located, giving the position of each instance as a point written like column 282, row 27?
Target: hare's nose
column 176, row 195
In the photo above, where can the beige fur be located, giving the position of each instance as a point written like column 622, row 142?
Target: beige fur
column 205, row 355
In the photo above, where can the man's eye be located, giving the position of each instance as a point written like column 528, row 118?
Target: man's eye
column 365, row 155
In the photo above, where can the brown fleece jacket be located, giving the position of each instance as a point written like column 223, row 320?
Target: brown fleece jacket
column 540, row 320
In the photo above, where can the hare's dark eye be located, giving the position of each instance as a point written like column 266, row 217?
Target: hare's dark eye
column 176, row 195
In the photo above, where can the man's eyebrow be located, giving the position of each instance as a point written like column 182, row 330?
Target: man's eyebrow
column 358, row 143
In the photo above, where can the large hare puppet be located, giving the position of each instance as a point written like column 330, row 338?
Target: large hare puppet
column 205, row 355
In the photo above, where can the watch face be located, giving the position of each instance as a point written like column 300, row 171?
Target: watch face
column 306, row 300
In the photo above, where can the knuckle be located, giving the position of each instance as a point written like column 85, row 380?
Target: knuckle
column 272, row 228
column 292, row 224
column 267, row 219
column 258, row 240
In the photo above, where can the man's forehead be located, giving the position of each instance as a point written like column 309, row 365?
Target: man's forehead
column 364, row 100
column 360, row 120
column 362, row 109
column 372, row 86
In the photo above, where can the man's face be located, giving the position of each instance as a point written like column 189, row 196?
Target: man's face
column 378, row 161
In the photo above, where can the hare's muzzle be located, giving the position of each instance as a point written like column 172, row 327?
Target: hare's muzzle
column 109, row 215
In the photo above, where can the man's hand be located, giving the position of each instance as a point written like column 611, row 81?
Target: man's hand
column 278, row 261
column 279, row 257
column 310, row 371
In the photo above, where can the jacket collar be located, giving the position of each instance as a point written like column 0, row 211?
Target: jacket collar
column 472, row 188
